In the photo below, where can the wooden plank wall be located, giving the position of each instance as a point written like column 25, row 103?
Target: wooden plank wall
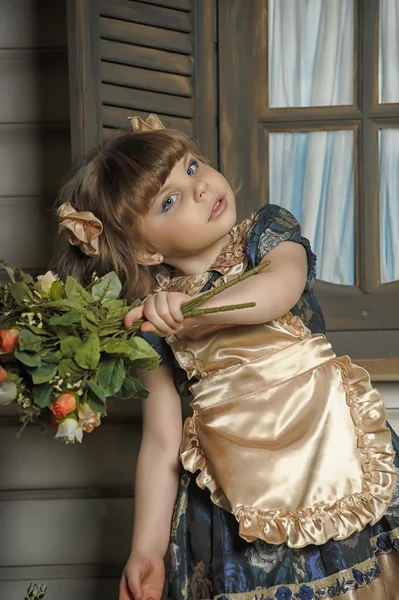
column 34, row 125
column 65, row 512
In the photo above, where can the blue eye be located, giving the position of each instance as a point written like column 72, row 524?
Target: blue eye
column 194, row 166
column 168, row 203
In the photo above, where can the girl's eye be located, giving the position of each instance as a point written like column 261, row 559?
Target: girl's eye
column 168, row 203
column 194, row 166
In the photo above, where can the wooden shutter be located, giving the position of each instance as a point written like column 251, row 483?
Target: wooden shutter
column 132, row 58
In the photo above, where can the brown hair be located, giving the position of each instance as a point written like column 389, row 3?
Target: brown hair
column 116, row 182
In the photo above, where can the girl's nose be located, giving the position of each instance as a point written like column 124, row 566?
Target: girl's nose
column 200, row 189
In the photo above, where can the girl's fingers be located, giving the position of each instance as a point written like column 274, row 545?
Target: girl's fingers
column 135, row 587
column 175, row 302
column 162, row 313
column 163, row 303
column 133, row 315
column 135, row 581
column 124, row 592
column 151, row 314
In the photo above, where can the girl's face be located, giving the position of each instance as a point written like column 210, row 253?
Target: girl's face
column 192, row 215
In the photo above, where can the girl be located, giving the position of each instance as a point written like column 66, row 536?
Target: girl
column 289, row 472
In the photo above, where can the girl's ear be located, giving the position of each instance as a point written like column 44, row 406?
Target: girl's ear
column 144, row 258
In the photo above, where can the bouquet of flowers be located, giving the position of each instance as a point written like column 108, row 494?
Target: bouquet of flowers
column 64, row 349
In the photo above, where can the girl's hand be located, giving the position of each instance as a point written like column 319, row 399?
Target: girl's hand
column 143, row 578
column 162, row 312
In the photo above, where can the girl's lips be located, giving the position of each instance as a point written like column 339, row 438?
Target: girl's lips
column 218, row 207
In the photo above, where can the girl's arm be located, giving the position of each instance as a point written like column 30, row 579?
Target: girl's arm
column 275, row 290
column 158, row 465
column 157, row 478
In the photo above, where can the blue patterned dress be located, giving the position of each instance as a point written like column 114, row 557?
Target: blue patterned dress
column 208, row 560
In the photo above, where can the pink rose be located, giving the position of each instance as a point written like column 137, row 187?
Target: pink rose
column 8, row 340
column 65, row 404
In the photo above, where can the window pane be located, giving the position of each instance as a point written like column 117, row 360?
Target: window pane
column 311, row 52
column 311, row 174
column 389, row 204
column 388, row 59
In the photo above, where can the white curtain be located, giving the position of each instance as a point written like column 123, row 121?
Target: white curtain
column 311, row 46
column 389, row 204
column 388, row 67
column 311, row 174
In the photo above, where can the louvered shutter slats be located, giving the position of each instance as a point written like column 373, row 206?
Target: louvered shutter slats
column 186, row 5
column 138, row 12
column 137, row 57
column 150, row 101
column 144, row 35
column 146, row 79
column 147, row 58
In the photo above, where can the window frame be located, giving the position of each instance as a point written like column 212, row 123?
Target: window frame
column 368, row 307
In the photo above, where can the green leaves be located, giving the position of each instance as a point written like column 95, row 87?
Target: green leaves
column 143, row 356
column 140, row 353
column 132, row 388
column 96, row 398
column 69, row 345
column 109, row 287
column 20, row 292
column 28, row 359
column 56, row 290
column 29, row 341
column 43, row 374
column 37, row 330
column 74, row 291
column 118, row 347
column 68, row 369
column 70, row 318
column 88, row 355
column 9, row 270
column 43, row 395
column 116, row 309
column 51, row 358
column 111, row 375
column 88, row 324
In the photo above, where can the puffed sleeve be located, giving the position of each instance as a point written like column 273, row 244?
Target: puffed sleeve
column 272, row 225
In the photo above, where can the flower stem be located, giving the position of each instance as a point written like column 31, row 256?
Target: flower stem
column 197, row 312
column 192, row 304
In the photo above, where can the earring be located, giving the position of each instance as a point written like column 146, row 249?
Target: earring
column 160, row 258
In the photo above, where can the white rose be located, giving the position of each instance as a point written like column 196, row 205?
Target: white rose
column 69, row 431
column 45, row 281
column 8, row 392
column 88, row 419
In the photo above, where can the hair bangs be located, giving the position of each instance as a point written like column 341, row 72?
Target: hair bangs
column 144, row 161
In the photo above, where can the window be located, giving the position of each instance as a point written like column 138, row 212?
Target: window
column 321, row 114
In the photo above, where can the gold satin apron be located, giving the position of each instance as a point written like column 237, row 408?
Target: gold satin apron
column 288, row 437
